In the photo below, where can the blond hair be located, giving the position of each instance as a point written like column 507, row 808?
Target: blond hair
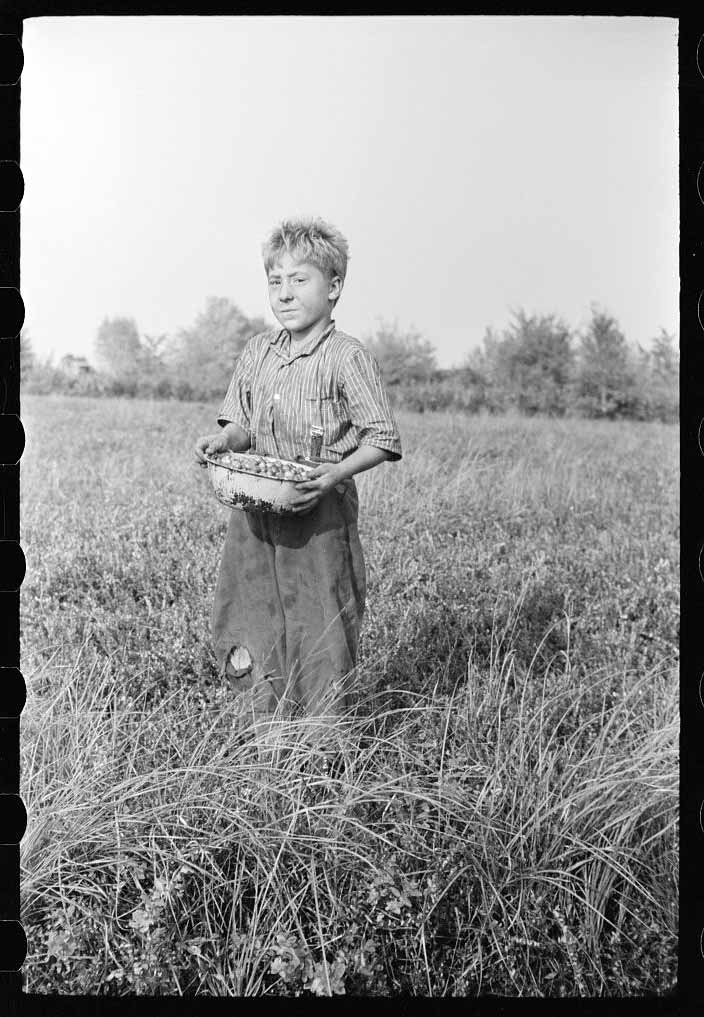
column 309, row 239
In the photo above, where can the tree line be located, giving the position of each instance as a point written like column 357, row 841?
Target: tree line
column 536, row 364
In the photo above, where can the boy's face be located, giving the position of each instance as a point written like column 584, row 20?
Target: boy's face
column 300, row 294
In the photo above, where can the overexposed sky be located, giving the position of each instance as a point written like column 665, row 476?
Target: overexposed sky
column 476, row 164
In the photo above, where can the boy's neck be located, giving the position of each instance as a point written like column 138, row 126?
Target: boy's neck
column 315, row 330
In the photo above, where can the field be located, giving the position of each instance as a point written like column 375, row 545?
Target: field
column 501, row 815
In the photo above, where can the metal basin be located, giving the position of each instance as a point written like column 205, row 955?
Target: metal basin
column 250, row 482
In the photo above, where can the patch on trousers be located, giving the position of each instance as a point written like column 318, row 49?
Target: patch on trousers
column 239, row 662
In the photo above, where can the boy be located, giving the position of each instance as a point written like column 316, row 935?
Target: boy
column 291, row 590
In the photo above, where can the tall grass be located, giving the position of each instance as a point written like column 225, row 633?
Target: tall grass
column 498, row 815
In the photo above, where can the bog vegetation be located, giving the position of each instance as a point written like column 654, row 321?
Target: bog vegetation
column 537, row 364
column 500, row 816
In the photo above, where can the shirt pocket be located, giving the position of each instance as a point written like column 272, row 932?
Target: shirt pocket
column 326, row 410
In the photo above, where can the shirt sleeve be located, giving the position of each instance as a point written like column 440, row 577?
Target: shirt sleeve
column 368, row 403
column 236, row 407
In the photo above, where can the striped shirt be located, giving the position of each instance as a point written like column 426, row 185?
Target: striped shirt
column 278, row 392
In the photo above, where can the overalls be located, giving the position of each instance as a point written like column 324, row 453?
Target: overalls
column 291, row 589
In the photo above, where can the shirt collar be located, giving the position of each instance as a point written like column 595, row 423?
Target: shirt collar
column 281, row 342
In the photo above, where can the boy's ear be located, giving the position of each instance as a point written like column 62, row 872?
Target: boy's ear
column 335, row 288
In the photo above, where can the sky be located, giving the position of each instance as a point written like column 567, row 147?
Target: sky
column 477, row 165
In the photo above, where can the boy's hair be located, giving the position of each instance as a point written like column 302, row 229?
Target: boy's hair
column 309, row 239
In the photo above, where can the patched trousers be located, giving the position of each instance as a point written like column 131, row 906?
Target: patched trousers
column 291, row 590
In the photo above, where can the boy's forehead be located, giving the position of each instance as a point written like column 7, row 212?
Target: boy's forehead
column 289, row 263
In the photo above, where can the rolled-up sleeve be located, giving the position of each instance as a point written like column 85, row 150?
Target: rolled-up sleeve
column 369, row 407
column 236, row 407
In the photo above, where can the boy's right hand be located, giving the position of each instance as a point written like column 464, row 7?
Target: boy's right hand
column 210, row 445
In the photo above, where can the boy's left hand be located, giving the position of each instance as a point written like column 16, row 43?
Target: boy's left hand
column 321, row 480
